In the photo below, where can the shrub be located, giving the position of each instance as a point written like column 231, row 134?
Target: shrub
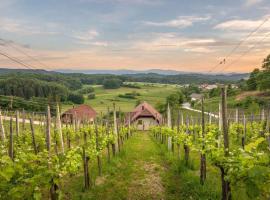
column 86, row 90
column 76, row 98
column 112, row 83
column 91, row 96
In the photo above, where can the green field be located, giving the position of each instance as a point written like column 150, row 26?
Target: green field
column 152, row 93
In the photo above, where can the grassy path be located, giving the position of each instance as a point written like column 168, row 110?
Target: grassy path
column 136, row 173
column 144, row 170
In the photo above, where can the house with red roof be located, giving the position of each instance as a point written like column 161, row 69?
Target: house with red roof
column 144, row 116
column 81, row 113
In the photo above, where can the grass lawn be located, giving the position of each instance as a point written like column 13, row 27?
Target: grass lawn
column 152, row 93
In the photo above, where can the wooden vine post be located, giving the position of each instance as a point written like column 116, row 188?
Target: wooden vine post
column 48, row 129
column 178, row 132
column 11, row 145
column 17, row 123
column 203, row 157
column 87, row 182
column 243, row 140
column 2, row 129
column 23, row 120
column 219, row 123
column 226, row 189
column 114, row 144
column 169, row 124
column 59, row 128
column 129, row 124
column 33, row 135
column 268, row 128
column 186, row 147
column 97, row 148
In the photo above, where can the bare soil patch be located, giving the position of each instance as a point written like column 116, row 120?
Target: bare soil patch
column 149, row 185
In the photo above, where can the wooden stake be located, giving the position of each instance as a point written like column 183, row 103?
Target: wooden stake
column 2, row 129
column 115, row 128
column 59, row 128
column 48, row 129
column 169, row 124
column 203, row 157
column 97, row 148
column 33, row 135
column 11, row 145
column 17, row 123
column 226, row 189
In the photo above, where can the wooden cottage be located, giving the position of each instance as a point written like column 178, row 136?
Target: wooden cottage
column 81, row 113
column 144, row 116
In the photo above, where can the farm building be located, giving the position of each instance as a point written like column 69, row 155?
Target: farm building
column 144, row 116
column 195, row 97
column 80, row 113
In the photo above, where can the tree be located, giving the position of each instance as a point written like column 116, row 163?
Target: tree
column 112, row 83
column 252, row 81
column 76, row 98
column 175, row 100
column 266, row 63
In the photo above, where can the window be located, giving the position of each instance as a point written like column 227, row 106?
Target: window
column 140, row 122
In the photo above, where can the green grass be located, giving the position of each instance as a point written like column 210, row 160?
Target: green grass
column 145, row 170
column 152, row 93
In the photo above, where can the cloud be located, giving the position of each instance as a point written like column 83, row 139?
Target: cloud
column 249, row 3
column 172, row 41
column 86, row 36
column 24, row 28
column 89, row 38
column 179, row 22
column 136, row 2
column 244, row 25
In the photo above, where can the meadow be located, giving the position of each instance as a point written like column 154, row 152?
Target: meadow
column 104, row 98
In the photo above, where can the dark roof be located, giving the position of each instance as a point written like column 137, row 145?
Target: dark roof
column 81, row 111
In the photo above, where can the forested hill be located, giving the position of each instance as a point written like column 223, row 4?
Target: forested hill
column 140, row 77
column 186, row 78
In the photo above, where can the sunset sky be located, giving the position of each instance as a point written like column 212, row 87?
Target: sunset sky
column 184, row 35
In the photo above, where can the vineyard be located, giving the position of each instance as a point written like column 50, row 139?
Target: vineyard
column 35, row 159
column 44, row 158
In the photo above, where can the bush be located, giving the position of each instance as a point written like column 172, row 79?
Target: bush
column 132, row 86
column 86, row 90
column 76, row 98
column 112, row 83
column 91, row 96
column 132, row 95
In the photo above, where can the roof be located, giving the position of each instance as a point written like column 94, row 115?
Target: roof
column 196, row 96
column 81, row 111
column 145, row 110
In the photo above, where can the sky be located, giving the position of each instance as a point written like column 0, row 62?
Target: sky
column 183, row 35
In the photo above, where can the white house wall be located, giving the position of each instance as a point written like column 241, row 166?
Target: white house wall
column 146, row 123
